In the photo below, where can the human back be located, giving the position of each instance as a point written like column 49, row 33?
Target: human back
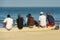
column 19, row 21
column 30, row 20
column 9, row 22
column 42, row 20
column 50, row 20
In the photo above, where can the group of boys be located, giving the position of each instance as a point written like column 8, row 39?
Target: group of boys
column 44, row 21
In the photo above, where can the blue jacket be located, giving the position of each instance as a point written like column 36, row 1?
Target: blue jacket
column 50, row 19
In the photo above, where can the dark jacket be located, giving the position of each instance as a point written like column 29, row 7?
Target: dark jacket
column 50, row 19
column 20, row 22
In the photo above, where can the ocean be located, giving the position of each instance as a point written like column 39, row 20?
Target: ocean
column 23, row 11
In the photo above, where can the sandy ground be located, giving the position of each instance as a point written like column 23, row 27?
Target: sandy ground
column 29, row 34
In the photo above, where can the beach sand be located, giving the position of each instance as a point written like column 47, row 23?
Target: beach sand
column 29, row 34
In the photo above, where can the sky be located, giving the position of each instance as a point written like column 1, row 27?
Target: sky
column 29, row 3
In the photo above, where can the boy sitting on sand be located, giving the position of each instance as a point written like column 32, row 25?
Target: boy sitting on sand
column 8, row 22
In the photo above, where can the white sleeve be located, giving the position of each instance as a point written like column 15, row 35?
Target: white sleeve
column 39, row 18
column 12, row 21
column 26, row 20
column 5, row 20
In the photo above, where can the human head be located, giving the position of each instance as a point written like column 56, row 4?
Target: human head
column 8, row 16
column 29, row 15
column 19, row 15
column 48, row 13
column 41, row 13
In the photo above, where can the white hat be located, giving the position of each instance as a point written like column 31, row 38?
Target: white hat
column 41, row 12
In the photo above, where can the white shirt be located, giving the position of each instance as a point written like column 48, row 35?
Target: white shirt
column 42, row 20
column 26, row 20
column 9, row 22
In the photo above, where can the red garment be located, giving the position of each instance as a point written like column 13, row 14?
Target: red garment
column 50, row 25
column 4, row 23
column 30, row 21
